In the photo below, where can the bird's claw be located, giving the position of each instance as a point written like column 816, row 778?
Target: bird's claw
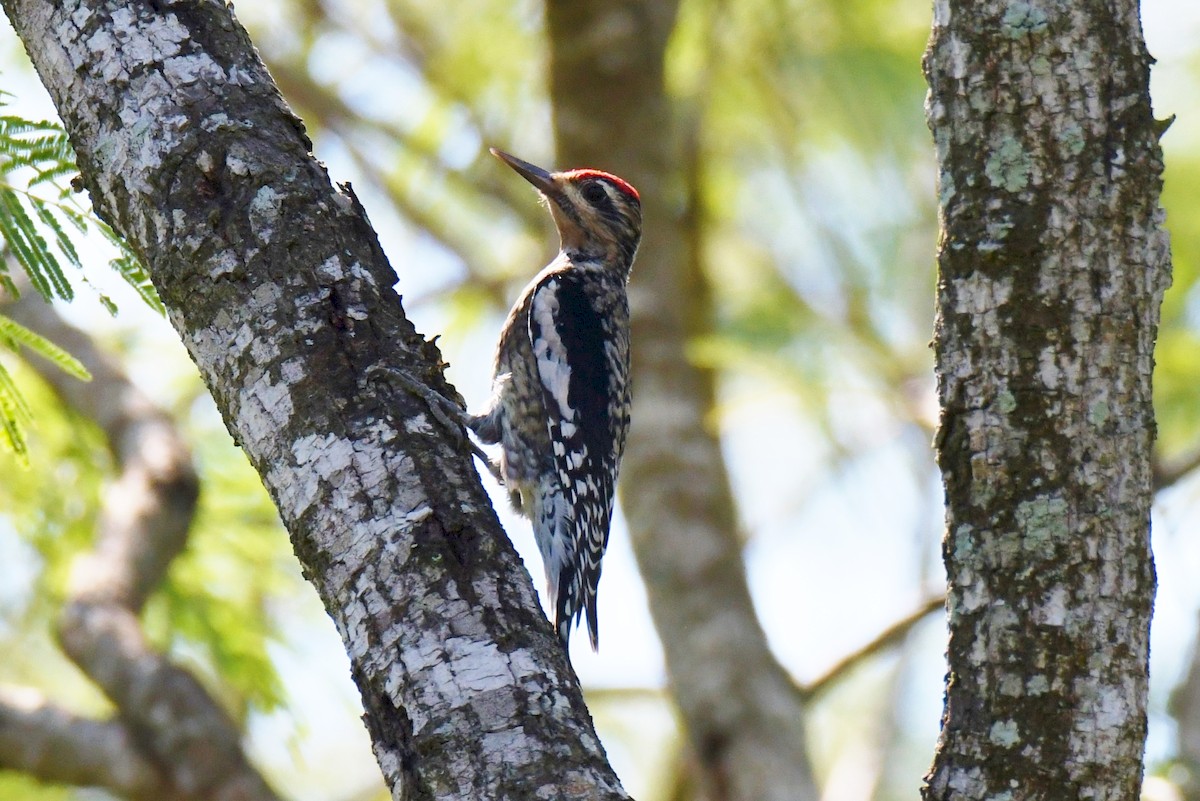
column 452, row 416
column 439, row 405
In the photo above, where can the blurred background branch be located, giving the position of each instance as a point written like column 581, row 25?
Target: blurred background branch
column 779, row 493
column 144, row 516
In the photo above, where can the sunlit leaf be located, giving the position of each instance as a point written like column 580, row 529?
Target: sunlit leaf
column 14, row 334
column 14, row 414
column 63, row 242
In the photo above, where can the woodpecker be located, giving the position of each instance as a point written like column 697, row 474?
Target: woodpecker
column 560, row 391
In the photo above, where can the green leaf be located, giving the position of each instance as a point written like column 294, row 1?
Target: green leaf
column 45, row 149
column 53, row 172
column 14, row 414
column 14, row 237
column 16, row 334
column 130, row 268
column 76, row 218
column 30, row 249
column 108, row 304
column 65, row 246
column 48, row 152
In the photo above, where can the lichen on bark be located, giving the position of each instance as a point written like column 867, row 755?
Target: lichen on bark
column 1052, row 265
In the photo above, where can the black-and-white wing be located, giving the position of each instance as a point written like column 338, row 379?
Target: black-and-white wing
column 584, row 378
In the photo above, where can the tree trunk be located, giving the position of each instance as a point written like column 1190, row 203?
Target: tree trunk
column 1052, row 265
column 744, row 717
column 279, row 289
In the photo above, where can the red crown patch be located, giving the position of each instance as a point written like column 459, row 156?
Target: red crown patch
column 620, row 183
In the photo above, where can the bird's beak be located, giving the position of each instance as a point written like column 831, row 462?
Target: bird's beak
column 535, row 175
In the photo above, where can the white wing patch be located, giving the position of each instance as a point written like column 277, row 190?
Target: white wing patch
column 549, row 351
column 575, row 508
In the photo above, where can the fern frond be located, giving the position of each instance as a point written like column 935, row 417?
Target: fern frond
column 130, row 268
column 14, row 334
column 14, row 237
column 6, row 283
column 30, row 248
column 51, row 174
column 76, row 218
column 14, row 415
column 65, row 246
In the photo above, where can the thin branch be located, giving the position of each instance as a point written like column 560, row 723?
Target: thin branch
column 887, row 638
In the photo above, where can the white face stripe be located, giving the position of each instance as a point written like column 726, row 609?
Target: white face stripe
column 575, row 191
column 614, row 194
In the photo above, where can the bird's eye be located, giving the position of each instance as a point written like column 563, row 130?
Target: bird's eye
column 594, row 193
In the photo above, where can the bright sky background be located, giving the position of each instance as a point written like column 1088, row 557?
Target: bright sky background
column 827, row 576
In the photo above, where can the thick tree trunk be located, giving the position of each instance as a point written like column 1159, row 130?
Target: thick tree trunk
column 1052, row 265
column 745, row 719
column 277, row 285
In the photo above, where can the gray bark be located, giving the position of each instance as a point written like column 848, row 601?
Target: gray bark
column 1052, row 265
column 744, row 717
column 279, row 289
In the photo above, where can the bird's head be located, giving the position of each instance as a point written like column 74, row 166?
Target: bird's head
column 598, row 215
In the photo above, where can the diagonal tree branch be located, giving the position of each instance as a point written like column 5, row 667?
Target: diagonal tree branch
column 282, row 295
column 891, row 636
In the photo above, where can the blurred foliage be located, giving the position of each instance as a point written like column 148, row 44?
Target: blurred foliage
column 812, row 171
column 53, row 506
column 16, row 785
column 15, row 412
column 36, row 205
column 218, row 610
column 1177, row 370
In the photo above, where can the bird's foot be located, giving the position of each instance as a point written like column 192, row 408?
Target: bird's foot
column 445, row 411
column 452, row 416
